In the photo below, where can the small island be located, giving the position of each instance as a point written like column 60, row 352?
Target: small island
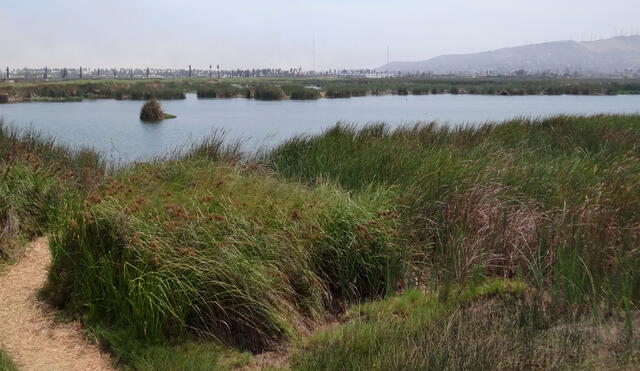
column 152, row 112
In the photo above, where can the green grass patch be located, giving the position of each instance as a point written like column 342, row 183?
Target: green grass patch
column 132, row 354
column 497, row 325
column 188, row 357
column 5, row 362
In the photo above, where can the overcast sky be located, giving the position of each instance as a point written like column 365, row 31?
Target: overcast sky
column 278, row 33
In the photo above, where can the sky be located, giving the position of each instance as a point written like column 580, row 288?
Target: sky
column 280, row 34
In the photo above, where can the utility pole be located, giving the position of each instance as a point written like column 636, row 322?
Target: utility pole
column 387, row 56
column 314, row 51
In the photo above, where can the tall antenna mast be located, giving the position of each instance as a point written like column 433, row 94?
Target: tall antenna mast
column 314, row 51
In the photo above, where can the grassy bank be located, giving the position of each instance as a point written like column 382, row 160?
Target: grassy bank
column 503, row 246
column 299, row 88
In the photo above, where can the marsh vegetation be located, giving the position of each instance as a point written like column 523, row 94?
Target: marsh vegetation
column 508, row 245
column 297, row 88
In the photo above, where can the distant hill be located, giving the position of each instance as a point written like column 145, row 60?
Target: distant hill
column 603, row 56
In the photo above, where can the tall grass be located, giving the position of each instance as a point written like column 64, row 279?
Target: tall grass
column 37, row 179
column 207, row 248
column 552, row 201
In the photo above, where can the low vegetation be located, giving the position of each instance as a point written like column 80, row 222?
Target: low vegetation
column 500, row 246
column 496, row 325
column 5, row 362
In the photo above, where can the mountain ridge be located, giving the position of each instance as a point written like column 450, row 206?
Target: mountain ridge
column 601, row 56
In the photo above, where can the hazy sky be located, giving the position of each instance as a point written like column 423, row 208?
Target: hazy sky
column 278, row 33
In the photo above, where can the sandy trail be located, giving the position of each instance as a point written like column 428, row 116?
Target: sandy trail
column 28, row 332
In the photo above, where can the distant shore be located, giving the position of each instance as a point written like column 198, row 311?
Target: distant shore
column 306, row 88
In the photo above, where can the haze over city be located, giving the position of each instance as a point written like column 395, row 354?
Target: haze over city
column 252, row 34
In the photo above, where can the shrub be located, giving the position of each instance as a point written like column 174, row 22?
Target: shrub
column 297, row 92
column 206, row 92
column 151, row 111
column 338, row 93
column 266, row 92
column 218, row 91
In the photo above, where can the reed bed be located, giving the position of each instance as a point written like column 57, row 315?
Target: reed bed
column 295, row 88
column 552, row 201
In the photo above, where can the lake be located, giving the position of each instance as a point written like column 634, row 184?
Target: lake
column 113, row 128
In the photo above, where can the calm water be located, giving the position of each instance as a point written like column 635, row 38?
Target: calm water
column 113, row 127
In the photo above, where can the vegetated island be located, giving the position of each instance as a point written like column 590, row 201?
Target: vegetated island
column 507, row 245
column 152, row 112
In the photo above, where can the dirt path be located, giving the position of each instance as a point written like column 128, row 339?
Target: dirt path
column 28, row 332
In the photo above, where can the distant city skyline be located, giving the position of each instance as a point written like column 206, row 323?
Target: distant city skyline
column 329, row 34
